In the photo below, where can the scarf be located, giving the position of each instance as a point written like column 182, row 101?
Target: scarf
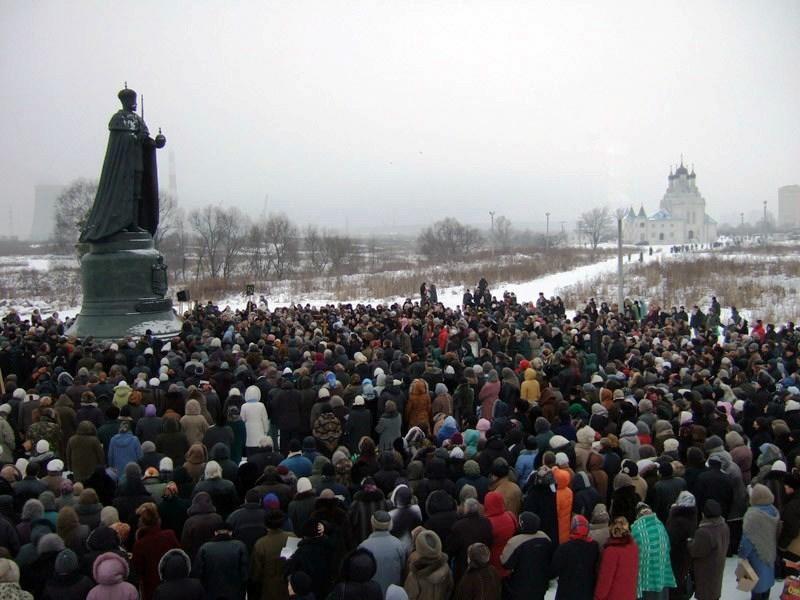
column 579, row 529
column 760, row 527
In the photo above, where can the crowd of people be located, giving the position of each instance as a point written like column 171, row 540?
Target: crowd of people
column 405, row 452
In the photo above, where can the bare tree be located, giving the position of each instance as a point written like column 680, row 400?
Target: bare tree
column 231, row 224
column 72, row 209
column 282, row 244
column 595, row 224
column 167, row 217
column 448, row 239
column 341, row 252
column 176, row 245
column 503, row 233
column 315, row 247
column 205, row 223
column 372, row 252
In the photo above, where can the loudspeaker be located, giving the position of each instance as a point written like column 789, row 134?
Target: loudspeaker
column 183, row 296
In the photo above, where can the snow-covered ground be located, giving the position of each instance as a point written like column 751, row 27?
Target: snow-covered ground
column 575, row 285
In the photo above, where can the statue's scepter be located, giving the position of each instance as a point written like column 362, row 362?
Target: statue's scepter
column 142, row 107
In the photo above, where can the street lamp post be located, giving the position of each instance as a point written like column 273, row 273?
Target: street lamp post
column 547, row 231
column 765, row 222
column 620, row 282
column 491, row 215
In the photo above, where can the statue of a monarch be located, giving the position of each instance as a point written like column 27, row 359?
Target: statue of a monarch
column 127, row 194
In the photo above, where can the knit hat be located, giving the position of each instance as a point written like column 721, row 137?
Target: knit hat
column 499, row 467
column 213, row 470
column 733, row 439
column 42, row 446
column 150, row 410
column 562, row 460
column 109, row 515
column 671, row 445
column 271, row 502
column 760, row 495
column 529, row 522
column 557, row 441
column 622, row 480
column 483, row 425
column 586, row 435
column 165, row 464
column 685, row 417
column 665, row 469
column 713, row 443
column 381, row 521
column 628, row 429
column 358, row 400
column 303, row 485
column 686, row 499
column 472, row 468
column 457, row 453
column 600, row 514
column 55, row 466
column 301, row 583
column 66, row 562
column 778, row 465
column 712, row 509
column 9, row 571
column 50, row 542
column 478, row 554
column 148, row 446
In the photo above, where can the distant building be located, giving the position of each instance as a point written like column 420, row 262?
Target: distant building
column 44, row 212
column 789, row 206
column 680, row 219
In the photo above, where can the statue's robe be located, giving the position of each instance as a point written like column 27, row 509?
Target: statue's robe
column 127, row 195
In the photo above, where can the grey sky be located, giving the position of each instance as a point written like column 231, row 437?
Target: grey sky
column 393, row 113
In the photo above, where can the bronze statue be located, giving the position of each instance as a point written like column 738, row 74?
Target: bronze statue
column 127, row 195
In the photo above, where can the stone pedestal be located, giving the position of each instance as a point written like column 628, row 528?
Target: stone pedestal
column 124, row 283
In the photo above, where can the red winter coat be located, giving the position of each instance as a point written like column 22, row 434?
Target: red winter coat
column 619, row 570
column 504, row 526
column 151, row 544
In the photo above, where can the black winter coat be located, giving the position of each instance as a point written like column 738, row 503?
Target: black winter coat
column 541, row 501
column 527, row 556
column 248, row 523
column 359, row 424
column 681, row 525
column 74, row 586
column 313, row 556
column 665, row 493
column 364, row 505
column 467, row 530
column 575, row 564
column 623, row 503
column 716, row 485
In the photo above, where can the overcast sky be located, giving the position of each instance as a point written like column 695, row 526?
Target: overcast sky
column 383, row 114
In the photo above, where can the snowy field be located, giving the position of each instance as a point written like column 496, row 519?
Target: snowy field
column 576, row 285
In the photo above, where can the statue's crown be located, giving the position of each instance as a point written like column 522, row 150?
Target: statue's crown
column 126, row 94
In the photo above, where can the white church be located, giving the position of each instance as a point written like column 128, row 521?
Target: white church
column 680, row 219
